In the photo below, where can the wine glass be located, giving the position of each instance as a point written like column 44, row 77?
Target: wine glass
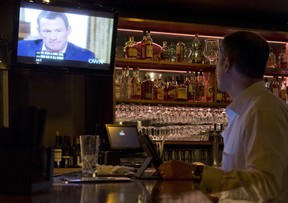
column 211, row 50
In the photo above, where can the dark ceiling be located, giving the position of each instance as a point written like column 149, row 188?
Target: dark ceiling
column 264, row 14
column 267, row 14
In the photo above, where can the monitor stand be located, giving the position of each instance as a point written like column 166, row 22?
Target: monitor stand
column 141, row 170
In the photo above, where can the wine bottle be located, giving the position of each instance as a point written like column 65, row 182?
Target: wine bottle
column 58, row 150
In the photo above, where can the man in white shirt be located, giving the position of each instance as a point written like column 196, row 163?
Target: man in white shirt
column 254, row 165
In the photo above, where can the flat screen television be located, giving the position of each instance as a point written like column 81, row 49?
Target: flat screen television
column 64, row 37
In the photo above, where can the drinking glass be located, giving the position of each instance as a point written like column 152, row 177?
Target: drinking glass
column 89, row 145
column 211, row 50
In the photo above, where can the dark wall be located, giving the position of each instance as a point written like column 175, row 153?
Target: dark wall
column 77, row 103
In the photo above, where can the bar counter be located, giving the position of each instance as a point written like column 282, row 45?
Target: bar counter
column 136, row 191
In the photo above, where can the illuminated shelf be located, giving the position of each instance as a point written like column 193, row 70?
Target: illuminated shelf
column 163, row 65
column 277, row 71
column 170, row 103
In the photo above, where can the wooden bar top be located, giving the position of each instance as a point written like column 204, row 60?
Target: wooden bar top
column 136, row 191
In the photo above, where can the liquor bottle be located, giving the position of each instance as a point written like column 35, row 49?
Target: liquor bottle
column 196, row 50
column 117, row 81
column 200, row 96
column 196, row 88
column 219, row 96
column 191, row 88
column 166, row 97
column 76, row 152
column 172, row 52
column 165, row 52
column 267, row 83
column 123, row 84
column 67, row 158
column 147, row 88
column 210, row 87
column 181, row 90
column 158, row 89
column 141, row 53
column 283, row 93
column 172, row 90
column 136, row 84
column 58, row 150
column 125, row 49
column 149, row 47
column 283, row 58
column 129, row 85
column 180, row 48
column 130, row 49
column 275, row 87
column 271, row 63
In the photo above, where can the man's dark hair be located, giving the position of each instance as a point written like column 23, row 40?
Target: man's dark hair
column 248, row 51
column 53, row 15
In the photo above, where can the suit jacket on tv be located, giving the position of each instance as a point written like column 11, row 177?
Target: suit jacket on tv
column 28, row 48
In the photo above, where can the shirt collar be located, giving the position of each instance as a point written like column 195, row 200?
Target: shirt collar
column 44, row 48
column 240, row 103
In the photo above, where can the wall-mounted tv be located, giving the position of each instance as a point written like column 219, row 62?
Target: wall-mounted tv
column 64, row 37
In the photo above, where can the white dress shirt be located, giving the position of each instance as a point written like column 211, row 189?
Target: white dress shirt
column 255, row 155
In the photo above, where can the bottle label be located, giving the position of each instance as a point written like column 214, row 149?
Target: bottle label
column 209, row 93
column 149, row 51
column 57, row 155
column 137, row 89
column 182, row 93
column 219, row 97
column 148, row 95
column 132, row 52
column 160, row 94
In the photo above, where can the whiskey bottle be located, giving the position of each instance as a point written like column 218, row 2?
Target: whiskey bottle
column 147, row 88
column 136, row 84
column 210, row 87
column 172, row 90
column 200, row 88
column 130, row 48
column 180, row 49
column 219, row 96
column 158, row 89
column 181, row 90
column 191, row 88
column 165, row 52
column 149, row 47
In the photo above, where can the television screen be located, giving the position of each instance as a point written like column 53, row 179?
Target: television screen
column 64, row 38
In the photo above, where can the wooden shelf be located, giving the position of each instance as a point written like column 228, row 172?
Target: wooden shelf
column 277, row 71
column 163, row 65
column 177, row 66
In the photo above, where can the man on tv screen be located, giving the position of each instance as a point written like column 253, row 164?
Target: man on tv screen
column 54, row 29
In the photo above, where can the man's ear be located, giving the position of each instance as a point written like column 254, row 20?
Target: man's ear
column 227, row 64
column 69, row 30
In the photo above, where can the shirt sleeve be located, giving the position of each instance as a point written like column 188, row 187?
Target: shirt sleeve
column 264, row 145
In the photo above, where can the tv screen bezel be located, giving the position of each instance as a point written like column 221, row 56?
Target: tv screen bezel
column 82, row 8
